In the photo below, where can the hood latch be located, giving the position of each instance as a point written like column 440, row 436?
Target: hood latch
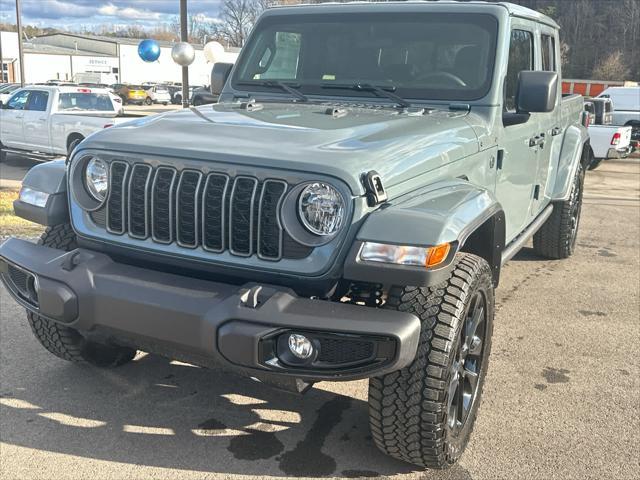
column 376, row 194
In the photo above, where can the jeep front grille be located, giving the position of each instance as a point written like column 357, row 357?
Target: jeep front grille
column 192, row 209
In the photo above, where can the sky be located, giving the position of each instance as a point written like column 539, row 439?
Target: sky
column 79, row 14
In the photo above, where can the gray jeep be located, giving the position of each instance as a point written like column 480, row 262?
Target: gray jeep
column 343, row 213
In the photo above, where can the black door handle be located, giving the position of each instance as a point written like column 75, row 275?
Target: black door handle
column 556, row 131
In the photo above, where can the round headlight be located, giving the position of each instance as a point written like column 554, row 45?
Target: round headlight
column 96, row 178
column 321, row 209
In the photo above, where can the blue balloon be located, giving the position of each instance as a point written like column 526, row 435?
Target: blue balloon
column 149, row 50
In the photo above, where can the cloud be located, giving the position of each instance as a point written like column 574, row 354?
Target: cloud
column 128, row 13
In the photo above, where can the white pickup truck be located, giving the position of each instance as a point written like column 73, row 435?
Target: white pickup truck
column 45, row 122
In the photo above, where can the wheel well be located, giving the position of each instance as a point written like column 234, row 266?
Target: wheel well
column 487, row 241
column 587, row 154
column 73, row 137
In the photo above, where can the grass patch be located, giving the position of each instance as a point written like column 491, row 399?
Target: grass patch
column 10, row 225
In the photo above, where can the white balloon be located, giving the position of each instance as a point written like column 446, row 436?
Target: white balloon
column 183, row 54
column 214, row 52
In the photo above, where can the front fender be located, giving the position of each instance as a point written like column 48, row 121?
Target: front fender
column 50, row 178
column 573, row 143
column 450, row 212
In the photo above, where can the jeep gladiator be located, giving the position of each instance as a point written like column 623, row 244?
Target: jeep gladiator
column 343, row 213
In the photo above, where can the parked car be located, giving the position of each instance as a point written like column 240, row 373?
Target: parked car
column 157, row 94
column 347, row 219
column 177, row 95
column 134, row 94
column 626, row 108
column 202, row 96
column 44, row 122
column 609, row 141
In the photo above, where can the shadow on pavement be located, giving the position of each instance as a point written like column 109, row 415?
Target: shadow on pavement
column 154, row 412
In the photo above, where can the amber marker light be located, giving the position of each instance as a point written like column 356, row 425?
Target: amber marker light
column 437, row 255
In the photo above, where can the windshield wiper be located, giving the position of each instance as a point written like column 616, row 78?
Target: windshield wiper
column 278, row 84
column 367, row 87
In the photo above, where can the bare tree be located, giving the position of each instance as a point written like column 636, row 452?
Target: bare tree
column 237, row 19
column 612, row 67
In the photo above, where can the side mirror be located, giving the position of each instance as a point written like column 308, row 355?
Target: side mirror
column 219, row 75
column 537, row 92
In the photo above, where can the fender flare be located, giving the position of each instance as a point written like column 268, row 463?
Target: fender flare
column 467, row 216
column 50, row 178
column 573, row 143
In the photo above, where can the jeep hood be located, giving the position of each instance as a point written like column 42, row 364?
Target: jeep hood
column 400, row 146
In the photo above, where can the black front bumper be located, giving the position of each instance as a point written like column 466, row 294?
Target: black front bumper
column 214, row 323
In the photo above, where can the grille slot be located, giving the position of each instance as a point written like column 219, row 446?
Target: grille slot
column 116, row 203
column 269, row 229
column 162, row 202
column 213, row 212
column 138, row 201
column 241, row 215
column 187, row 208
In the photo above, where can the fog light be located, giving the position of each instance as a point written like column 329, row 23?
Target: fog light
column 300, row 346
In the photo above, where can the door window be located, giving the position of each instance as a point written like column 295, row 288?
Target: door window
column 520, row 58
column 548, row 53
column 18, row 101
column 38, row 101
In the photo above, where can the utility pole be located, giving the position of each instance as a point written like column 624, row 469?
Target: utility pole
column 184, row 37
column 20, row 54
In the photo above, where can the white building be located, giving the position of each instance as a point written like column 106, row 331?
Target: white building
column 62, row 56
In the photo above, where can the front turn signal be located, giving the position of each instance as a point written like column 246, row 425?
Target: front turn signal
column 406, row 255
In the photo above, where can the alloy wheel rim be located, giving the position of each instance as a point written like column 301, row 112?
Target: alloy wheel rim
column 465, row 370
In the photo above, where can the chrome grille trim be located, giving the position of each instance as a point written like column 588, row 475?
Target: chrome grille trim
column 261, row 219
column 116, row 190
column 132, row 206
column 207, row 218
column 233, row 220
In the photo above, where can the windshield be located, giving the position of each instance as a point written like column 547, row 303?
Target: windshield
column 85, row 101
column 420, row 56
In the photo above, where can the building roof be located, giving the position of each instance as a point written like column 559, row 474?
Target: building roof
column 114, row 40
column 43, row 48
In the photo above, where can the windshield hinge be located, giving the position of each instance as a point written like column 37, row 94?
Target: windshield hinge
column 376, row 194
column 465, row 107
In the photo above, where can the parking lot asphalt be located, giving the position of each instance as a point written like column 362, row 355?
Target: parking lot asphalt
column 562, row 396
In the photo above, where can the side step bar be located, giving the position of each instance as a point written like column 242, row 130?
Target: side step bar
column 518, row 242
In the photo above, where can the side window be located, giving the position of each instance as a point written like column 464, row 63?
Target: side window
column 18, row 101
column 520, row 58
column 38, row 101
column 548, row 53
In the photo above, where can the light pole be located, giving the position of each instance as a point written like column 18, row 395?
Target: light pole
column 20, row 54
column 184, row 37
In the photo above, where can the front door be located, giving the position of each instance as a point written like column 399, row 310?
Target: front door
column 36, row 125
column 517, row 160
column 11, row 125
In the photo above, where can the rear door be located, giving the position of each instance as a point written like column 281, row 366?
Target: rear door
column 11, row 126
column 517, row 160
column 36, row 120
column 550, row 124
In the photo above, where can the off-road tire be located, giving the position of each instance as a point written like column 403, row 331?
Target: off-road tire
column 556, row 239
column 409, row 408
column 64, row 342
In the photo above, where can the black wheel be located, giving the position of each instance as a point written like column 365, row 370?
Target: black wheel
column 197, row 102
column 424, row 414
column 65, row 342
column 164, row 103
column 148, row 101
column 557, row 237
